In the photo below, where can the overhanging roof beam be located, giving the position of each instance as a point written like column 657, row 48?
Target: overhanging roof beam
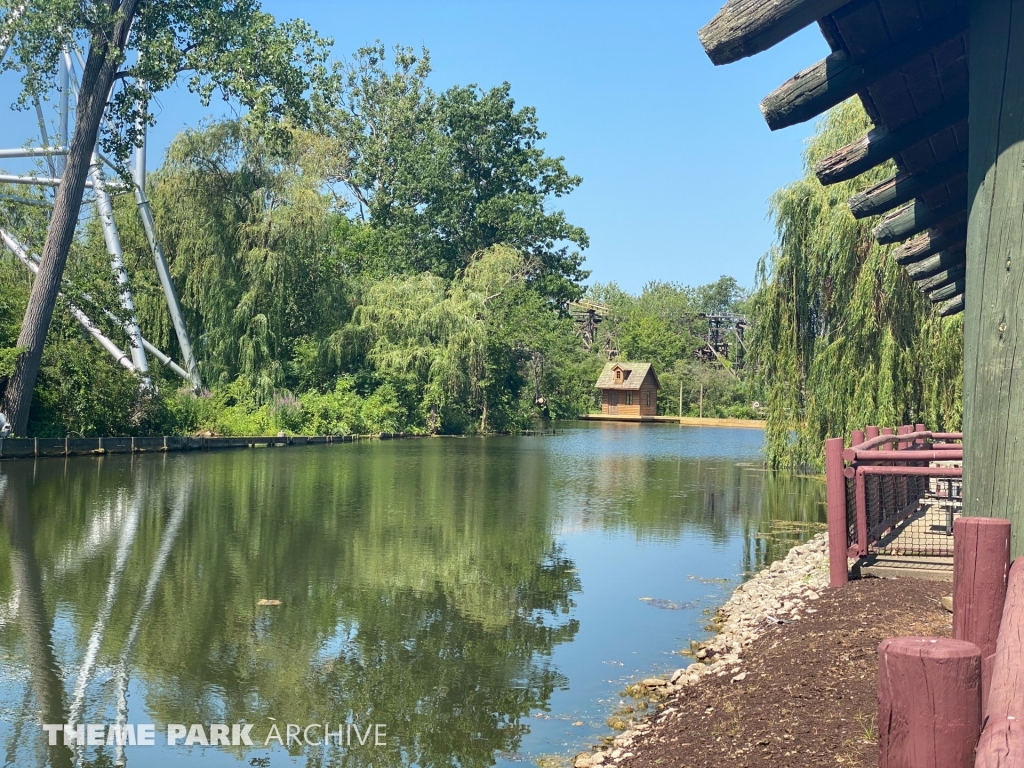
column 947, row 292
column 745, row 27
column 940, row 262
column 952, row 307
column 904, row 187
column 838, row 76
column 914, row 218
column 931, row 242
column 942, row 279
column 879, row 144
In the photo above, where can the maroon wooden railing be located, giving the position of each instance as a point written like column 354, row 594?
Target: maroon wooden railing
column 876, row 484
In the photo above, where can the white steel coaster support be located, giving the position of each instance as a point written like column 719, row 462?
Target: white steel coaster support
column 18, row 250
column 105, row 211
column 63, row 87
column 162, row 270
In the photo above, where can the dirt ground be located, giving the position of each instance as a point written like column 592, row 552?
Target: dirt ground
column 809, row 696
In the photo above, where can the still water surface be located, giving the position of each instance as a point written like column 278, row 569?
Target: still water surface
column 484, row 599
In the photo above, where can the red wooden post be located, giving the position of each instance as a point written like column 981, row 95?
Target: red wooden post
column 835, row 494
column 856, row 437
column 929, row 702
column 860, row 494
column 906, row 429
column 871, row 432
column 919, row 428
column 981, row 564
column 1002, row 743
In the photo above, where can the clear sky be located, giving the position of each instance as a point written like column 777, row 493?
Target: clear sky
column 677, row 163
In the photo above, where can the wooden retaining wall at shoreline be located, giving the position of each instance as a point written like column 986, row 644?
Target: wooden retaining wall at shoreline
column 686, row 421
column 40, row 447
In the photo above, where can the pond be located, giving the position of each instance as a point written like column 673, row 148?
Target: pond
column 457, row 601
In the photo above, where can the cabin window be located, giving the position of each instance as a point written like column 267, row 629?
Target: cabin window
column 648, row 398
column 629, row 398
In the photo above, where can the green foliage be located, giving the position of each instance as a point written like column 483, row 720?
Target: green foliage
column 441, row 177
column 232, row 49
column 841, row 337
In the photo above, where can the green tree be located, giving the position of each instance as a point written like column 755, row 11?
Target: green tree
column 228, row 47
column 841, row 337
column 441, row 177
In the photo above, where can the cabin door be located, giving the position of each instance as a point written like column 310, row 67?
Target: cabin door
column 613, row 402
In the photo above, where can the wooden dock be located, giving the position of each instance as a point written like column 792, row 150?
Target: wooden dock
column 686, row 421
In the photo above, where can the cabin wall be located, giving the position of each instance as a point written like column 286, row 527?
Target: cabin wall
column 636, row 408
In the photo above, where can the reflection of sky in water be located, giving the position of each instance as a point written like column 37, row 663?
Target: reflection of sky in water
column 472, row 588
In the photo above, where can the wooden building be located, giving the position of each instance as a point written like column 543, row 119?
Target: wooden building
column 943, row 83
column 628, row 389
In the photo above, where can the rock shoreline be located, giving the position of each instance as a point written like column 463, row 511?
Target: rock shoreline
column 777, row 595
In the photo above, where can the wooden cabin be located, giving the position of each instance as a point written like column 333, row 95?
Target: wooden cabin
column 628, row 389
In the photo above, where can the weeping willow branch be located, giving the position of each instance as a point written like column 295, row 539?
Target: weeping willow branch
column 842, row 338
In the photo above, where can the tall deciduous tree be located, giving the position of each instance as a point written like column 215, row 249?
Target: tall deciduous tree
column 227, row 46
column 441, row 177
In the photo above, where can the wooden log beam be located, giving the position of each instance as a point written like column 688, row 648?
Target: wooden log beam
column 745, row 27
column 940, row 262
column 914, row 218
column 929, row 702
column 947, row 292
column 880, row 144
column 981, row 566
column 1002, row 742
column 838, row 76
column 931, row 242
column 903, row 187
column 993, row 415
column 940, row 279
column 952, row 307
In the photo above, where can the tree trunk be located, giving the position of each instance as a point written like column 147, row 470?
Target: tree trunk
column 700, row 408
column 105, row 54
column 994, row 316
column 44, row 671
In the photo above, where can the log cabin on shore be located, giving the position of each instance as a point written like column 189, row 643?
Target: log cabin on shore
column 628, row 389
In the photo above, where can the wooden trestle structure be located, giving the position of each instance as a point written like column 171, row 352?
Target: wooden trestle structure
column 943, row 83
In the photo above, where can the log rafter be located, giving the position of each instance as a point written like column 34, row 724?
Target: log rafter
column 839, row 76
column 903, row 187
column 880, row 144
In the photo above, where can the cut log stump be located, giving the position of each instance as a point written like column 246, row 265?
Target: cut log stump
column 929, row 702
column 981, row 564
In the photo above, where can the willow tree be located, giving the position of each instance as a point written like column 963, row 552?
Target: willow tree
column 228, row 46
column 841, row 337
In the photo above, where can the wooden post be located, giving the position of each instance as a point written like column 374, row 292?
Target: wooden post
column 981, row 564
column 835, row 493
column 929, row 702
column 919, row 428
column 1002, row 743
column 994, row 316
column 871, row 432
column 680, row 397
column 856, row 437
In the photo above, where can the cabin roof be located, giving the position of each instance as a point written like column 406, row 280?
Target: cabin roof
column 907, row 61
column 633, row 375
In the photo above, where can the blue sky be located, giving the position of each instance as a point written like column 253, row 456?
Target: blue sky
column 677, row 163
